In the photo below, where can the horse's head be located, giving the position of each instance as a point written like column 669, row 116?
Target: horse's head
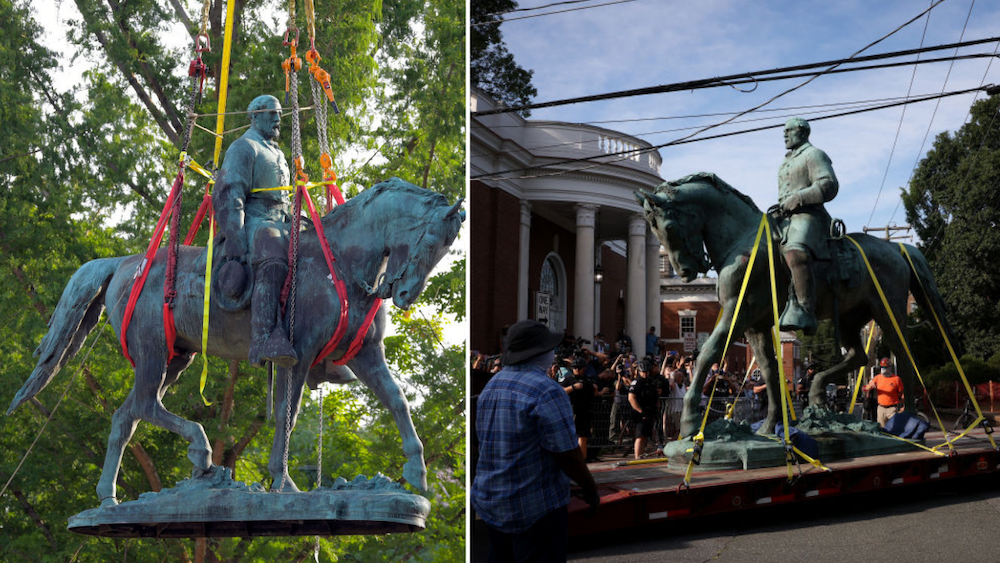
column 422, row 228
column 678, row 225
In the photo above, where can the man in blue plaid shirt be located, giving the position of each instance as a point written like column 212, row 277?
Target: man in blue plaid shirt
column 528, row 453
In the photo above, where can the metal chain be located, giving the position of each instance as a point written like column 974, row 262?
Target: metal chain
column 288, row 425
column 311, row 21
column 296, row 127
column 205, row 8
column 319, row 103
column 319, row 448
column 189, row 129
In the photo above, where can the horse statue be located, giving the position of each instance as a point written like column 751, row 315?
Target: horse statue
column 703, row 223
column 385, row 241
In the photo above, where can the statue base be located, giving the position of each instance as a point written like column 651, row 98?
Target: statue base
column 731, row 445
column 216, row 506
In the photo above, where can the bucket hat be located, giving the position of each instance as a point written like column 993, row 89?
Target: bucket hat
column 527, row 339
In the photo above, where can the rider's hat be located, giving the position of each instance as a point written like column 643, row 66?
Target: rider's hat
column 884, row 362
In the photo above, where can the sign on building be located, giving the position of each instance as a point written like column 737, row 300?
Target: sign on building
column 542, row 304
column 689, row 342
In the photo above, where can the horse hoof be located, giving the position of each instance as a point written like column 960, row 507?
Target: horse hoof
column 289, row 486
column 108, row 502
column 200, row 457
column 416, row 474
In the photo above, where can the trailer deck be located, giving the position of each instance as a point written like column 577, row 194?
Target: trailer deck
column 636, row 495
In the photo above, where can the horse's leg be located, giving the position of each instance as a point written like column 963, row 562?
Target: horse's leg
column 691, row 415
column 123, row 424
column 759, row 338
column 287, row 409
column 149, row 408
column 855, row 358
column 370, row 367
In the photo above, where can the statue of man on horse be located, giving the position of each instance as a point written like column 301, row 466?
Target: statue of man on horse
column 255, row 220
column 805, row 182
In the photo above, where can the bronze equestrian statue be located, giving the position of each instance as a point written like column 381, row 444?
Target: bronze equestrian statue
column 701, row 212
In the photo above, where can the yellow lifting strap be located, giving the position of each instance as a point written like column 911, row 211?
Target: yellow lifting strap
column 220, row 127
column 814, row 462
column 699, row 438
column 951, row 350
column 308, row 185
column 776, row 338
column 895, row 326
column 861, row 372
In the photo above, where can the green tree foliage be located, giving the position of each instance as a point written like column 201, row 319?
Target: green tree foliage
column 492, row 68
column 954, row 205
column 86, row 169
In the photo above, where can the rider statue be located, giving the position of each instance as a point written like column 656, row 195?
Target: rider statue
column 805, row 182
column 255, row 225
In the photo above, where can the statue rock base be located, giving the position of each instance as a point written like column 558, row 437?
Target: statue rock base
column 731, row 445
column 214, row 505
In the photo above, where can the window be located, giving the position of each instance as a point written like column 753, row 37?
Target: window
column 687, row 326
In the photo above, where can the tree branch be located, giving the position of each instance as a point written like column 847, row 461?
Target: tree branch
column 227, row 412
column 30, row 511
column 233, row 454
column 61, row 110
column 130, row 77
column 147, row 72
column 182, row 15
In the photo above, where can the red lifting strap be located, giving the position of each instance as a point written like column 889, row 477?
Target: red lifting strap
column 145, row 266
column 338, row 333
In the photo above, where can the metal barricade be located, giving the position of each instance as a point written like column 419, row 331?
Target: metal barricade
column 613, row 423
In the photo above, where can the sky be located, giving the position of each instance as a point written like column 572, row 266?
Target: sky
column 652, row 42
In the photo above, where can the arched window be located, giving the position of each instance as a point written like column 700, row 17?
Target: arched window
column 550, row 302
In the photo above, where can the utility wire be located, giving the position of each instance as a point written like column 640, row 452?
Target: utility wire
column 685, row 140
column 551, row 13
column 726, row 113
column 899, row 127
column 775, row 97
column 552, row 5
column 725, row 80
column 781, row 117
column 927, row 133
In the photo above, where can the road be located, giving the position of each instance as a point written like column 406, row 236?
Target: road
column 939, row 523
column 942, row 522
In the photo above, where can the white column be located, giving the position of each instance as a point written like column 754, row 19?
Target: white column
column 583, row 280
column 635, row 292
column 653, row 282
column 597, row 297
column 522, row 262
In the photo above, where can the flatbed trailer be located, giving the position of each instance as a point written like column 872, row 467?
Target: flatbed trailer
column 647, row 493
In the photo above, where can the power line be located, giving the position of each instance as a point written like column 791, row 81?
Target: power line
column 685, row 140
column 551, row 13
column 740, row 78
column 678, row 129
column 899, row 127
column 923, row 142
column 725, row 113
column 630, row 154
column 531, row 9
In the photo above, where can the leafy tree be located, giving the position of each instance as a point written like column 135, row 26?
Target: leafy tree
column 82, row 158
column 492, row 68
column 953, row 204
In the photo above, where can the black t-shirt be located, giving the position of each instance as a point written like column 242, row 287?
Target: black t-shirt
column 644, row 389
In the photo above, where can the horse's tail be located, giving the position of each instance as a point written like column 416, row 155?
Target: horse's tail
column 76, row 315
column 925, row 290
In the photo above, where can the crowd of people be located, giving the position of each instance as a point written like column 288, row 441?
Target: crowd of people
column 618, row 397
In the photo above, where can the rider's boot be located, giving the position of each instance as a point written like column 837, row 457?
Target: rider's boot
column 270, row 342
column 800, row 311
